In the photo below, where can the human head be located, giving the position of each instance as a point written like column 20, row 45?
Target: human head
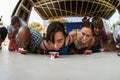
column 3, row 34
column 15, row 21
column 56, row 34
column 85, row 34
column 24, row 36
column 98, row 24
column 84, row 19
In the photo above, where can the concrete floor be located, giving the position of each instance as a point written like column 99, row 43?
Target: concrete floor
column 97, row 66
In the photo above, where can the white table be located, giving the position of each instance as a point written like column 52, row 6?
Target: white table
column 98, row 66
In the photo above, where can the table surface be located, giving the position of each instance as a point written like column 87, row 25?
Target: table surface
column 97, row 66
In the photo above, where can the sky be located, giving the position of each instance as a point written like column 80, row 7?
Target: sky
column 114, row 17
column 34, row 17
column 7, row 6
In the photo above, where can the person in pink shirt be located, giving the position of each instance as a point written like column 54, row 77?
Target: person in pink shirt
column 99, row 34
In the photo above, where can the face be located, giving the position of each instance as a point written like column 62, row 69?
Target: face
column 96, row 30
column 59, row 39
column 85, row 35
column 16, row 25
column 24, row 40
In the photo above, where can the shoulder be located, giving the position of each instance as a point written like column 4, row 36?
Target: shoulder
column 10, row 28
column 34, row 32
column 72, row 35
column 36, row 35
column 3, row 30
column 103, row 32
column 2, row 27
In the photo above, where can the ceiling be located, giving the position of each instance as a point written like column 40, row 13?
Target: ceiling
column 75, row 8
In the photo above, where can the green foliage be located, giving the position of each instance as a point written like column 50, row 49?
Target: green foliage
column 36, row 26
column 62, row 20
column 118, row 22
column 113, row 26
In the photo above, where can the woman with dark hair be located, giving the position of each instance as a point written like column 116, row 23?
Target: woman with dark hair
column 56, row 39
column 3, row 34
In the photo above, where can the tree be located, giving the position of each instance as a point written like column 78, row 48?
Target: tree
column 118, row 22
column 113, row 26
column 60, row 19
column 36, row 26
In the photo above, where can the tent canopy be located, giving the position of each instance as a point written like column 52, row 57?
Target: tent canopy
column 75, row 8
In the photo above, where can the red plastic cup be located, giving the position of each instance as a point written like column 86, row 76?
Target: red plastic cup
column 88, row 52
column 23, row 52
column 102, row 50
column 55, row 54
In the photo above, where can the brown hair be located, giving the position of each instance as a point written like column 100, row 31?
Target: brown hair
column 14, row 20
column 97, row 21
column 88, row 25
column 110, row 44
column 53, row 28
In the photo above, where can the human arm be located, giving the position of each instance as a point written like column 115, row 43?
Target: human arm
column 73, row 35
